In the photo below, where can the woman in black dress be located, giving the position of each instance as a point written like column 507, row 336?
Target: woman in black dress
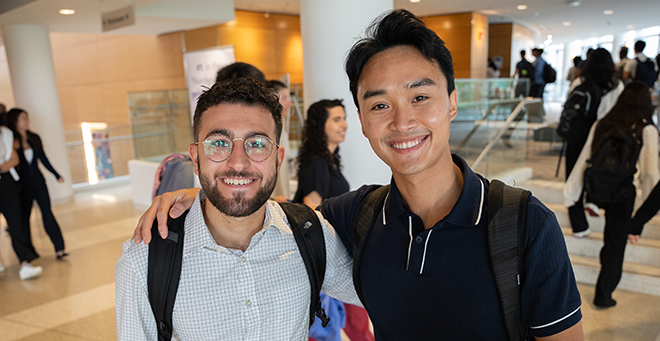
column 319, row 178
column 33, row 182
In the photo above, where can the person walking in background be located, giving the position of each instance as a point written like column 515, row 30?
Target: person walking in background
column 641, row 68
column 604, row 89
column 574, row 71
column 630, row 119
column 282, row 189
column 11, row 208
column 319, row 178
column 621, row 65
column 30, row 150
column 524, row 69
column 538, row 82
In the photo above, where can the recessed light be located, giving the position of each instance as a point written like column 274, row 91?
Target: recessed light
column 566, row 23
column 541, row 45
column 521, row 7
column 608, row 12
column 574, row 3
column 630, row 27
column 415, row 1
column 67, row 11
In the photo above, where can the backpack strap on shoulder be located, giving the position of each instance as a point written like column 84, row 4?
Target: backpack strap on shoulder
column 507, row 208
column 164, row 272
column 308, row 233
column 368, row 210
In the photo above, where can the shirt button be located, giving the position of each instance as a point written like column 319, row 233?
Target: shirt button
column 248, row 303
column 419, row 239
column 242, row 259
column 219, row 249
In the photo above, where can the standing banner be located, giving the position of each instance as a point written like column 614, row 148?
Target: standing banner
column 201, row 68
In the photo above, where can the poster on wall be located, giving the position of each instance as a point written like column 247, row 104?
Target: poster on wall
column 201, row 68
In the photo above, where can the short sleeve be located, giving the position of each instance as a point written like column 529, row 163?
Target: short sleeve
column 550, row 300
column 313, row 178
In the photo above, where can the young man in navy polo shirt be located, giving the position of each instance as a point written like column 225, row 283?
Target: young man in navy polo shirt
column 425, row 269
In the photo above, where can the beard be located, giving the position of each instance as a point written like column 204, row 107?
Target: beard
column 238, row 205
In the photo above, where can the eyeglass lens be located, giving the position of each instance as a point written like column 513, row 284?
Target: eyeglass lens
column 219, row 148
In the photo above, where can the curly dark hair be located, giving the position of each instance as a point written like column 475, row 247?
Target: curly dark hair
column 314, row 140
column 600, row 69
column 632, row 112
column 239, row 91
column 398, row 28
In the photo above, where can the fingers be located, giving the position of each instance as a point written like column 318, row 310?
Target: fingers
column 171, row 204
column 633, row 238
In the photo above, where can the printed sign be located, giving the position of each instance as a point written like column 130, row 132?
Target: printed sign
column 201, row 69
column 117, row 19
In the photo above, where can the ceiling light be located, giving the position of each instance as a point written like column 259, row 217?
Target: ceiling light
column 521, row 7
column 608, row 12
column 574, row 3
column 415, row 1
column 566, row 23
column 549, row 36
column 67, row 11
column 541, row 45
column 630, row 27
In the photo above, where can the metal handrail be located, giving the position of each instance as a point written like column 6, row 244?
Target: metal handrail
column 500, row 132
column 478, row 123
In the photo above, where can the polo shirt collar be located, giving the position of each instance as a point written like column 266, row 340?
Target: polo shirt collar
column 467, row 210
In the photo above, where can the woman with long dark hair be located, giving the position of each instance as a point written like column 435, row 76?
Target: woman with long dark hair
column 599, row 69
column 630, row 116
column 34, row 185
column 319, row 178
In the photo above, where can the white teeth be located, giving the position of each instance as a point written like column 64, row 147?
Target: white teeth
column 406, row 145
column 237, row 182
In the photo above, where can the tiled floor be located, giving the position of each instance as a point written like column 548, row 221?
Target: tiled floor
column 74, row 299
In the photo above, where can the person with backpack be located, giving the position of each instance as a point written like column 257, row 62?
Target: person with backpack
column 441, row 253
column 591, row 97
column 641, row 68
column 320, row 178
column 241, row 267
column 539, row 80
column 524, row 70
column 624, row 139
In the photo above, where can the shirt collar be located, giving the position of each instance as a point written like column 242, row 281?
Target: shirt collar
column 198, row 235
column 467, row 210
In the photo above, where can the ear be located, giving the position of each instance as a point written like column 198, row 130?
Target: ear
column 280, row 157
column 453, row 104
column 361, row 123
column 192, row 151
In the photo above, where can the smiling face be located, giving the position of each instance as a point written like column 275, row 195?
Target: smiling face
column 335, row 126
column 237, row 186
column 405, row 110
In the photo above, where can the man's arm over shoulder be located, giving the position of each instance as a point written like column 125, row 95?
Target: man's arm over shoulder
column 338, row 281
column 135, row 320
column 550, row 300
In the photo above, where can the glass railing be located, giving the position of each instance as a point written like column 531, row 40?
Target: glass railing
column 490, row 129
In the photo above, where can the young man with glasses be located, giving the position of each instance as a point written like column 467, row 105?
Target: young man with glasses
column 242, row 276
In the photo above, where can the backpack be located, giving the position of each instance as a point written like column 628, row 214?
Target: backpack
column 507, row 208
column 580, row 112
column 645, row 72
column 166, row 258
column 609, row 174
column 527, row 71
column 549, row 74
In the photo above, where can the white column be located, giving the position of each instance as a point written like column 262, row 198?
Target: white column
column 32, row 73
column 329, row 29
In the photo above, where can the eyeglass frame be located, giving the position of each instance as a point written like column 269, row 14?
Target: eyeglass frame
column 277, row 146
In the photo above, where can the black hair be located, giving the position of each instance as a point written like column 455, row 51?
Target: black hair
column 632, row 112
column 398, row 28
column 240, row 70
column 276, row 85
column 11, row 119
column 577, row 61
column 599, row 68
column 523, row 53
column 314, row 139
column 639, row 46
column 244, row 91
column 623, row 53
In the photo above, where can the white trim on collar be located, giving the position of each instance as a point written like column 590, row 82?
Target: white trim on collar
column 385, row 204
column 481, row 205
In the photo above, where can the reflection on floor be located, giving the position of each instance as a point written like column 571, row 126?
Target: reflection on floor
column 74, row 299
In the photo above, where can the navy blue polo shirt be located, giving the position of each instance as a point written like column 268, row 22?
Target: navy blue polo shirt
column 437, row 284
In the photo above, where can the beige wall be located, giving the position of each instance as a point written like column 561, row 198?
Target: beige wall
column 499, row 44
column 522, row 38
column 479, row 49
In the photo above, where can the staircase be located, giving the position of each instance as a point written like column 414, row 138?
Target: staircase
column 641, row 268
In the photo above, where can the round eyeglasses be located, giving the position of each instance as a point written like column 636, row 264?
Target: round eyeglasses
column 257, row 147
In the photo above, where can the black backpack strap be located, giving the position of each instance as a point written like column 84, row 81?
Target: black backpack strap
column 165, row 260
column 506, row 221
column 308, row 233
column 368, row 210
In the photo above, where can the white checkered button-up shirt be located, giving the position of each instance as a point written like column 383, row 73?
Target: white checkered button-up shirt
column 225, row 294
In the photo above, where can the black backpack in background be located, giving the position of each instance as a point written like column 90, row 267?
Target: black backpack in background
column 580, row 112
column 609, row 174
column 645, row 72
column 549, row 74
